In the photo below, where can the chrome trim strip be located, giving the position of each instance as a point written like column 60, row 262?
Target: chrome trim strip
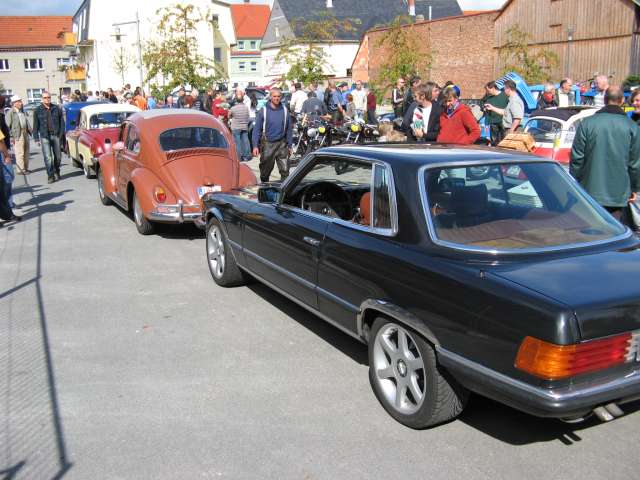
column 304, row 305
column 456, row 246
column 235, row 245
column 564, row 394
column 277, row 268
column 335, row 299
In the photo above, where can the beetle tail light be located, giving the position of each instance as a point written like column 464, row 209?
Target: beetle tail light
column 552, row 362
column 160, row 195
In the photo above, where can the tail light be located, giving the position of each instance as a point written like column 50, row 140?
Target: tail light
column 552, row 362
column 92, row 147
column 160, row 195
column 322, row 129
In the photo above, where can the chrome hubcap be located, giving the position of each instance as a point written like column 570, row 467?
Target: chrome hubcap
column 399, row 368
column 215, row 251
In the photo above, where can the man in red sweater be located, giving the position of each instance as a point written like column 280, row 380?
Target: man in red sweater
column 457, row 123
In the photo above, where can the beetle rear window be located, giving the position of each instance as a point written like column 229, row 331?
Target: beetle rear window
column 514, row 206
column 191, row 137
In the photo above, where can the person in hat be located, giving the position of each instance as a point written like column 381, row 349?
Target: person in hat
column 20, row 130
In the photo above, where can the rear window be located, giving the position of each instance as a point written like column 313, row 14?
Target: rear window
column 108, row 119
column 544, row 130
column 513, row 207
column 191, row 137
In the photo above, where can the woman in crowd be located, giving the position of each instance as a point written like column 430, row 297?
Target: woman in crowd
column 548, row 97
column 457, row 123
column 634, row 101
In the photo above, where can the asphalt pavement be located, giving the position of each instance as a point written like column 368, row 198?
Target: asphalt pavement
column 121, row 359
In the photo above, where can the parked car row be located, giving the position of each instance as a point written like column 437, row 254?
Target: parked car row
column 463, row 269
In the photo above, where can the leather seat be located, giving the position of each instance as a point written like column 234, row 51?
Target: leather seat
column 365, row 209
column 470, row 205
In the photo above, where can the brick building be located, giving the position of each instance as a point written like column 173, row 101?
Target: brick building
column 32, row 57
column 461, row 49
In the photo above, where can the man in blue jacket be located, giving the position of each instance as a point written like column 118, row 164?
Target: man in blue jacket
column 48, row 126
column 273, row 132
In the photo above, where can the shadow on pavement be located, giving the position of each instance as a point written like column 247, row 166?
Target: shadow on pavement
column 186, row 231
column 32, row 443
column 330, row 334
column 518, row 428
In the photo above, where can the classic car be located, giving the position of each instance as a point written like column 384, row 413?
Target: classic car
column 554, row 129
column 97, row 130
column 163, row 163
column 71, row 113
column 525, row 290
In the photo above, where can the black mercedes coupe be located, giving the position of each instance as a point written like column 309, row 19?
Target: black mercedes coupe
column 462, row 269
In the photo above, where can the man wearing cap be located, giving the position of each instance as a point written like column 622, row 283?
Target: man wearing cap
column 19, row 129
column 48, row 125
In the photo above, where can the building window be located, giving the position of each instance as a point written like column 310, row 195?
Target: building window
column 33, row 64
column 217, row 54
column 4, row 65
column 6, row 91
column 34, row 94
column 254, row 66
column 241, row 66
column 240, row 44
column 254, row 44
column 64, row 62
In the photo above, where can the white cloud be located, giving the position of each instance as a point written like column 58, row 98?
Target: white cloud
column 480, row 4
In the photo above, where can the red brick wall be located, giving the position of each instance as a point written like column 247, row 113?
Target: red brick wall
column 461, row 48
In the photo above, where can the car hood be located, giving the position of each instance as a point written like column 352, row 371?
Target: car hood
column 186, row 173
column 603, row 289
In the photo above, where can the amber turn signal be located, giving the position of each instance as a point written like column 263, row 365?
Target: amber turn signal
column 160, row 195
column 551, row 362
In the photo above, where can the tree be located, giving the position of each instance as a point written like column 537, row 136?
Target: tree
column 122, row 60
column 405, row 54
column 173, row 57
column 304, row 52
column 533, row 65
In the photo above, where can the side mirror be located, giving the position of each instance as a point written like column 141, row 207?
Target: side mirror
column 118, row 147
column 268, row 194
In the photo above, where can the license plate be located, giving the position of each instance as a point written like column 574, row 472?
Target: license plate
column 202, row 191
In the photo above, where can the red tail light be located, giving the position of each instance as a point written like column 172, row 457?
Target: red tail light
column 551, row 362
column 160, row 195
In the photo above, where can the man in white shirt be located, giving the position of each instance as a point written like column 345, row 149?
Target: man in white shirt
column 297, row 98
column 565, row 94
column 602, row 83
column 359, row 98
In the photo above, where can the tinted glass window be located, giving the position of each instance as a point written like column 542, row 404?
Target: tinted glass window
column 192, row 137
column 381, row 198
column 108, row 119
column 513, row 207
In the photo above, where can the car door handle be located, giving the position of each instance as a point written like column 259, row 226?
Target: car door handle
column 312, row 241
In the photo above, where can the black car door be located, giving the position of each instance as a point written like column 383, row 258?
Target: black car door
column 281, row 245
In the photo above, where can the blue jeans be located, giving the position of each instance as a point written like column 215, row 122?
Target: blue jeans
column 9, row 176
column 243, row 147
column 51, row 154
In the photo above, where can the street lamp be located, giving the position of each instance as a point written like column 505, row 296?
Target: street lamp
column 118, row 35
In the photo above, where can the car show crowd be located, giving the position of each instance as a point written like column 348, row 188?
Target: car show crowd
column 275, row 124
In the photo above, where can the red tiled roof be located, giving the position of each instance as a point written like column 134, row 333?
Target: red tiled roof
column 33, row 31
column 250, row 21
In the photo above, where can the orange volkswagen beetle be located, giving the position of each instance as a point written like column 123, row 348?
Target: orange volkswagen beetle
column 164, row 162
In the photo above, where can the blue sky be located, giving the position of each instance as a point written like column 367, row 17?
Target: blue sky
column 69, row 7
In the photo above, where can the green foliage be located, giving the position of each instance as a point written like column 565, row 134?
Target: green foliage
column 631, row 81
column 535, row 66
column 173, row 59
column 405, row 55
column 122, row 60
column 303, row 51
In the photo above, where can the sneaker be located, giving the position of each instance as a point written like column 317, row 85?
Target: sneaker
column 51, row 180
column 57, row 175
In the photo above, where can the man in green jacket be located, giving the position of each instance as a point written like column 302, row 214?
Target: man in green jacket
column 605, row 158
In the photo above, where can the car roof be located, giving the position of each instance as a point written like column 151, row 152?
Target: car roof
column 417, row 154
column 108, row 107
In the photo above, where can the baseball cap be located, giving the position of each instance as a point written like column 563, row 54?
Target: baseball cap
column 16, row 98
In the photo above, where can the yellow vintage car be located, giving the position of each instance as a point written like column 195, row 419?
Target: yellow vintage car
column 97, row 131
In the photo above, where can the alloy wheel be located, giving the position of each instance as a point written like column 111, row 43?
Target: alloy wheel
column 399, row 368
column 215, row 251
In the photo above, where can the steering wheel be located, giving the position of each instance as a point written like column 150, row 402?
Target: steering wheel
column 327, row 198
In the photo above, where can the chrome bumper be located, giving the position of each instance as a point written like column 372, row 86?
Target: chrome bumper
column 175, row 214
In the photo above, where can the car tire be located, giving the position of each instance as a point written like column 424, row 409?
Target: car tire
column 222, row 263
column 88, row 173
column 407, row 380
column 103, row 196
column 76, row 163
column 143, row 225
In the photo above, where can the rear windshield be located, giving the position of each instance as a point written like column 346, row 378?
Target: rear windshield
column 544, row 130
column 108, row 119
column 191, row 137
column 513, row 207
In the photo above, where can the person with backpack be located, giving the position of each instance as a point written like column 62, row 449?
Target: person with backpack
column 273, row 136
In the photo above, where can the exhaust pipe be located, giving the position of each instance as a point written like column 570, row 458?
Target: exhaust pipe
column 608, row 412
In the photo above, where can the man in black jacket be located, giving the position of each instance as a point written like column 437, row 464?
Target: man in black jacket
column 48, row 126
column 421, row 123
